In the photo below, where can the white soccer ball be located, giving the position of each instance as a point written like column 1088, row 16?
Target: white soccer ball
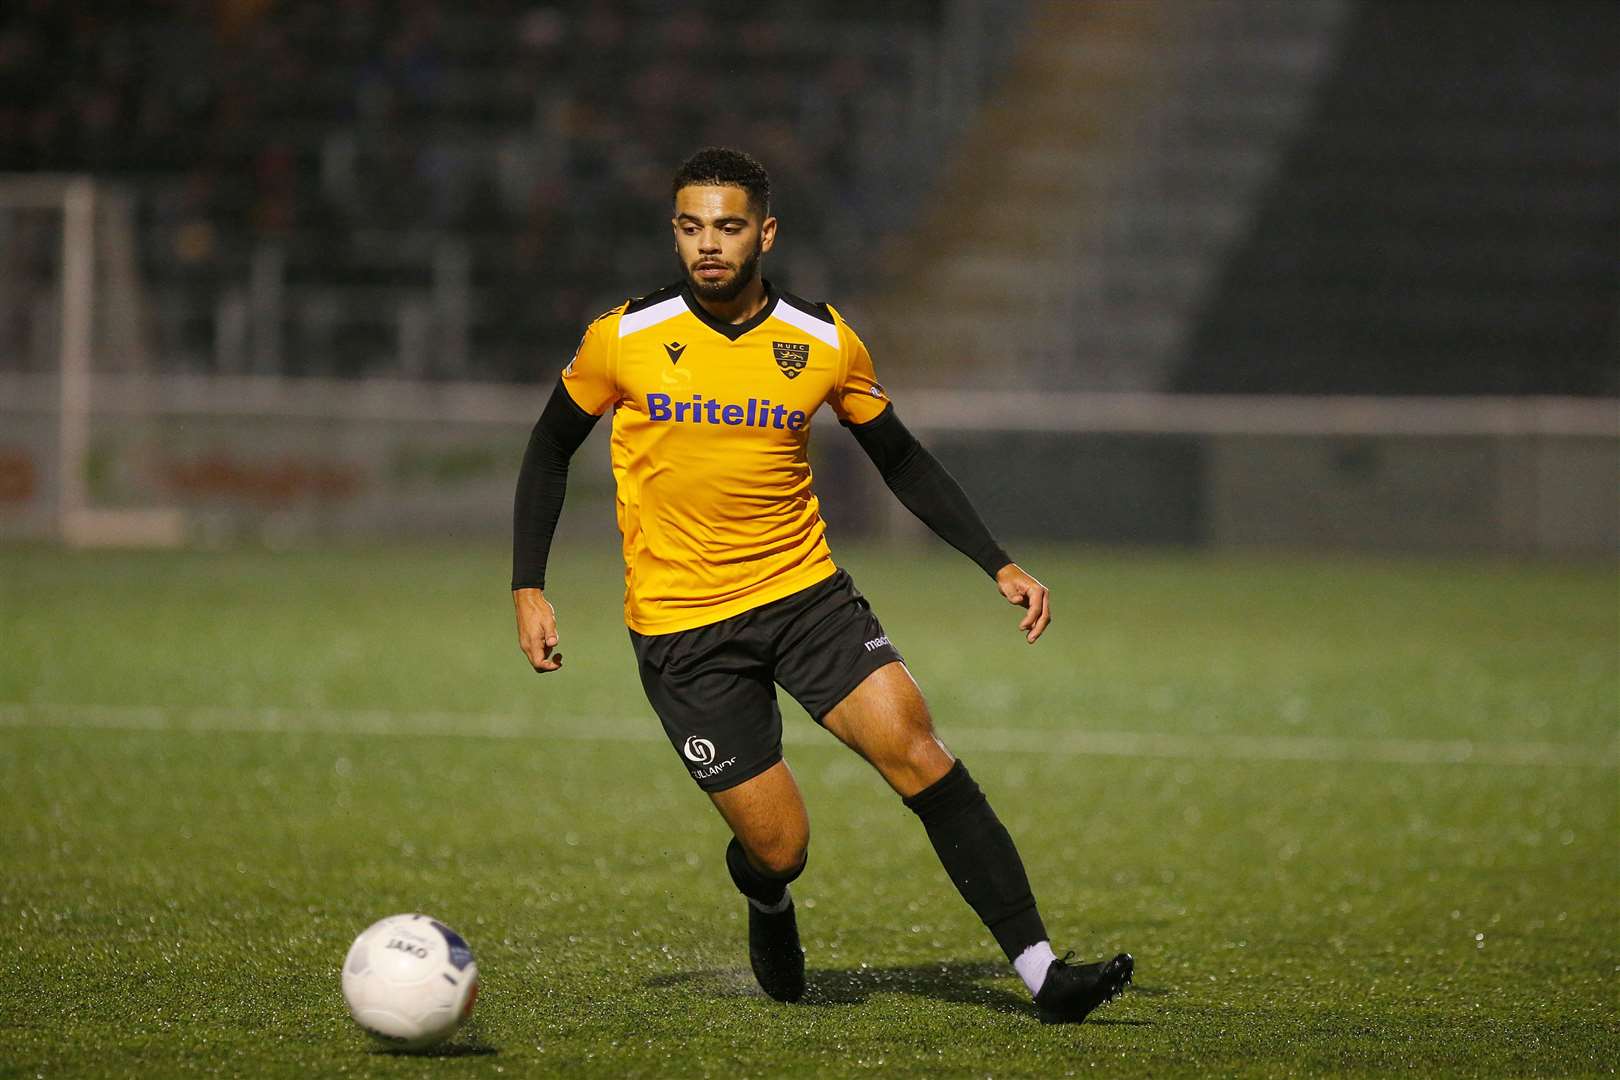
column 410, row 981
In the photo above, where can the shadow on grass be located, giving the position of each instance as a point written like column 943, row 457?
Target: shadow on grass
column 469, row 1044
column 1149, row 991
column 959, row 982
column 443, row 1050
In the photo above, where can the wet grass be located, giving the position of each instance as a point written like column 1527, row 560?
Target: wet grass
column 327, row 738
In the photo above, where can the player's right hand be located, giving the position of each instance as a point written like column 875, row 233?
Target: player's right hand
column 537, row 629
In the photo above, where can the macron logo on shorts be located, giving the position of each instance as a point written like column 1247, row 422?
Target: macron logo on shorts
column 877, row 643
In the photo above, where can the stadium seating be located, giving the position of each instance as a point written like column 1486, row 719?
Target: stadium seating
column 1311, row 196
column 1273, row 195
column 450, row 190
column 1450, row 223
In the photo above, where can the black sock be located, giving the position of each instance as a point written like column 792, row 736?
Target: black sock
column 980, row 858
column 760, row 887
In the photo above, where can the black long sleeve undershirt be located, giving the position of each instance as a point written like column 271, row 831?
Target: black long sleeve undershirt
column 923, row 486
column 542, row 482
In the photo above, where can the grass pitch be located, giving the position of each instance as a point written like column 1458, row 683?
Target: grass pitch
column 1350, row 816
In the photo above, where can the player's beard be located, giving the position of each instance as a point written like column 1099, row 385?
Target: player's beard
column 723, row 292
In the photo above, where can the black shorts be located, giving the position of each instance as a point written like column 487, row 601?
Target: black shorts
column 712, row 686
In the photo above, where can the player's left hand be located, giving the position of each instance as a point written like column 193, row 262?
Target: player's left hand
column 1021, row 589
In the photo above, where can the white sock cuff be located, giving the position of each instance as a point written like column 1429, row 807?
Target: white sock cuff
column 781, row 905
column 1032, row 965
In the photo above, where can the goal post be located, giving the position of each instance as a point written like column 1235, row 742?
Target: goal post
column 70, row 303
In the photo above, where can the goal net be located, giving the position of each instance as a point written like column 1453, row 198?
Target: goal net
column 70, row 312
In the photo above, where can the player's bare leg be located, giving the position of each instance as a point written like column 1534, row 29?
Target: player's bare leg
column 771, row 839
column 886, row 721
column 768, row 817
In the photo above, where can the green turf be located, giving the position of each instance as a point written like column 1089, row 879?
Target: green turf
column 215, row 769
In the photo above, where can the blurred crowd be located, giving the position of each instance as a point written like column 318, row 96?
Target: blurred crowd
column 355, row 137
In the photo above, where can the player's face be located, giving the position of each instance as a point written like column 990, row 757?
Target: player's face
column 719, row 239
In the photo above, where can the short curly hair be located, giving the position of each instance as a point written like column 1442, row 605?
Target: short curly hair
column 724, row 167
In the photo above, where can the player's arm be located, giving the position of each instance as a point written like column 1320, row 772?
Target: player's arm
column 542, row 483
column 924, row 487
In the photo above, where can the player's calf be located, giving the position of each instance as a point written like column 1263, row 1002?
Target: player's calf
column 982, row 861
column 774, row 951
column 980, row 858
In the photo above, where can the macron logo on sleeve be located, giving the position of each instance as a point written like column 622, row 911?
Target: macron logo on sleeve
column 755, row 413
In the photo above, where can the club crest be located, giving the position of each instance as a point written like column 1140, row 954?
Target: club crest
column 791, row 356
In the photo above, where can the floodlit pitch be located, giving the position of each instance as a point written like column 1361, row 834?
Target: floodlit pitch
column 1359, row 817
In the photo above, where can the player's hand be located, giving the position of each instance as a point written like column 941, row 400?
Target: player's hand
column 1021, row 589
column 537, row 629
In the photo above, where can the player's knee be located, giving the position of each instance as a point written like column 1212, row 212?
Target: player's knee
column 921, row 746
column 924, row 759
column 785, row 863
column 781, row 854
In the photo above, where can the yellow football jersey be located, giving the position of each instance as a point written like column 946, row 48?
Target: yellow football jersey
column 711, row 424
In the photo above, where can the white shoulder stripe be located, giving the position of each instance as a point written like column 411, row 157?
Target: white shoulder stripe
column 811, row 325
column 659, row 312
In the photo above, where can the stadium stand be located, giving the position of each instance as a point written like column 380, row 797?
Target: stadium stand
column 1301, row 196
column 449, row 190
column 1449, row 223
column 1101, row 191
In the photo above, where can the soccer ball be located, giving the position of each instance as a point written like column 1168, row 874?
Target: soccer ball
column 410, row 981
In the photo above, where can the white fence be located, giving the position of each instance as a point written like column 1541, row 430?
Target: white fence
column 301, row 460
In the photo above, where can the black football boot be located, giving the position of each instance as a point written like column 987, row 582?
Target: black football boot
column 775, row 954
column 1071, row 991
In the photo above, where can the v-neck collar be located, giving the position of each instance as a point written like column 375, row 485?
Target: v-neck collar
column 732, row 331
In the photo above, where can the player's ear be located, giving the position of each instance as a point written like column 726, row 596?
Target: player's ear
column 767, row 234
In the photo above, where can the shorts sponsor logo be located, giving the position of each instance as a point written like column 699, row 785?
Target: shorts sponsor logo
column 713, row 770
column 701, row 752
column 698, row 751
column 877, row 643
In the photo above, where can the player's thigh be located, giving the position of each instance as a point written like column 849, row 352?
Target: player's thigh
column 767, row 815
column 714, row 697
column 826, row 641
column 886, row 721
column 833, row 655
